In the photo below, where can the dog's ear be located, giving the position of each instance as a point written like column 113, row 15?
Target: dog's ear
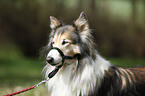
column 81, row 23
column 54, row 23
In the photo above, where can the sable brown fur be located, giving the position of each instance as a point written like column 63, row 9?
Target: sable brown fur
column 112, row 84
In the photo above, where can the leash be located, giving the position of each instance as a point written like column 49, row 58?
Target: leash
column 29, row 88
column 50, row 75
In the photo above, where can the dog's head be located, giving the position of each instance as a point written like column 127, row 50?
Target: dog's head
column 70, row 39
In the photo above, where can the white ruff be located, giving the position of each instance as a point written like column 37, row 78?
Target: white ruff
column 86, row 80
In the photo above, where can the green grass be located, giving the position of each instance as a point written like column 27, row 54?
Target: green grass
column 18, row 72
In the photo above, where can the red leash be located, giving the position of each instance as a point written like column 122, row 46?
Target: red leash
column 29, row 88
column 32, row 87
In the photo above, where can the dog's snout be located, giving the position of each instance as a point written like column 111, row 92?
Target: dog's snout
column 49, row 59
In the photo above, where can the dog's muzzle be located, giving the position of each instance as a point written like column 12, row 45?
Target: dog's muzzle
column 50, row 59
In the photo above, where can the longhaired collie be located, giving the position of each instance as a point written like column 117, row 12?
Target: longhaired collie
column 84, row 72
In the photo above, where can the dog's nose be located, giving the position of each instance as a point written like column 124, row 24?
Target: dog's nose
column 49, row 59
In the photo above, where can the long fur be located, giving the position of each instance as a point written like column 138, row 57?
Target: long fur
column 94, row 76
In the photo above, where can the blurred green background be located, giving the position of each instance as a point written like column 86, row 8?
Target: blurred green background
column 118, row 27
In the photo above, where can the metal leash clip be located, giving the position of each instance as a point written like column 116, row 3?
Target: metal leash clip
column 43, row 81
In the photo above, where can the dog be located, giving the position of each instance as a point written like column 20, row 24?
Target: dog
column 83, row 72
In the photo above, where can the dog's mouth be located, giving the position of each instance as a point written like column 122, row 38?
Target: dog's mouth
column 55, row 64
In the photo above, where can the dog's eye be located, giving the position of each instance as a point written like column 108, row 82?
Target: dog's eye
column 64, row 42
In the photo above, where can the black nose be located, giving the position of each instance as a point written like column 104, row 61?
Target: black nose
column 49, row 59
